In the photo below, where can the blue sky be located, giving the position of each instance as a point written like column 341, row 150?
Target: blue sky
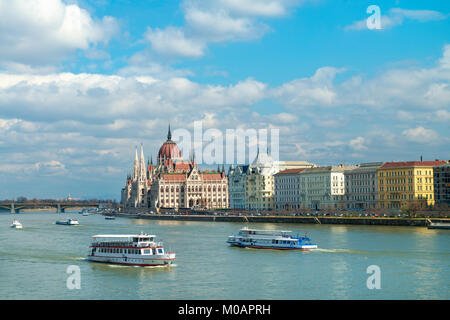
column 83, row 82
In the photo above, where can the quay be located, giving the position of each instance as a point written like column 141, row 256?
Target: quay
column 380, row 221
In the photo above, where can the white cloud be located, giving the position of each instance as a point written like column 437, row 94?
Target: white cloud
column 264, row 8
column 173, row 42
column 41, row 32
column 421, row 135
column 284, row 118
column 317, row 90
column 358, row 144
column 216, row 21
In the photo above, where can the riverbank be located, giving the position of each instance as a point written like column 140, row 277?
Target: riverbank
column 419, row 222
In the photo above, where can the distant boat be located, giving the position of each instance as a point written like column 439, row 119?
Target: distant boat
column 439, row 225
column 85, row 214
column 69, row 222
column 16, row 224
column 110, row 218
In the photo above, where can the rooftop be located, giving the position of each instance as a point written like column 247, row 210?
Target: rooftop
column 413, row 164
column 290, row 171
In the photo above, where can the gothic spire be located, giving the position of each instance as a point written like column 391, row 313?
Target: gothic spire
column 136, row 166
column 169, row 134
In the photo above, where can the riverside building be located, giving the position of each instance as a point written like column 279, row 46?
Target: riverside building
column 237, row 186
column 441, row 176
column 323, row 187
column 287, row 189
column 260, row 183
column 361, row 186
column 401, row 183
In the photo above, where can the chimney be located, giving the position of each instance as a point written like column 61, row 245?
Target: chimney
column 421, row 158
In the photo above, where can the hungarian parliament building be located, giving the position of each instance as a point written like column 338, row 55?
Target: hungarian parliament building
column 173, row 183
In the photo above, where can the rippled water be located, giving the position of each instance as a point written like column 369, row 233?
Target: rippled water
column 414, row 262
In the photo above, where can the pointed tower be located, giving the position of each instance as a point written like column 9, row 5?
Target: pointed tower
column 142, row 174
column 136, row 166
column 169, row 134
column 194, row 160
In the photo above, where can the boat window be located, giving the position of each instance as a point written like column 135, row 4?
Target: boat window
column 147, row 251
column 160, row 251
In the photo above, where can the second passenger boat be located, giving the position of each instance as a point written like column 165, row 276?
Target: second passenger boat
column 270, row 239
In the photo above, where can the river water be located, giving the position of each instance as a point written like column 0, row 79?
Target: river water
column 414, row 262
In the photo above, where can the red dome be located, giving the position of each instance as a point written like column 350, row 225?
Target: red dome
column 169, row 150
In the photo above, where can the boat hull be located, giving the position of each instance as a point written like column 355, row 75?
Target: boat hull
column 255, row 246
column 437, row 226
column 159, row 260
column 66, row 223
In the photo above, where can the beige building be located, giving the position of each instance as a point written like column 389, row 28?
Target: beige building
column 260, row 183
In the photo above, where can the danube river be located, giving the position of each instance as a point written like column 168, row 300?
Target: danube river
column 414, row 262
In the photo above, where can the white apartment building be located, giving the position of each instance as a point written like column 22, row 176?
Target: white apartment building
column 323, row 187
column 287, row 189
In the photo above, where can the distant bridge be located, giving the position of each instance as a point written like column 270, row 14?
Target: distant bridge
column 15, row 207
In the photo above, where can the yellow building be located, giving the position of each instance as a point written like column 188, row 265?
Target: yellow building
column 402, row 183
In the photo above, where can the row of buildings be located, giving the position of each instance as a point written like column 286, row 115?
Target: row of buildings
column 282, row 185
column 376, row 185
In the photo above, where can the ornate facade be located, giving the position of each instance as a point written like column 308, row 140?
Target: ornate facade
column 174, row 183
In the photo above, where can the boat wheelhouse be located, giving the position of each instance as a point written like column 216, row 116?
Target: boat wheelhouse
column 270, row 239
column 134, row 250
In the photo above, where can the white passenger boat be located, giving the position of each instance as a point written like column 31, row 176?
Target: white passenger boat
column 16, row 224
column 439, row 225
column 134, row 250
column 270, row 239
column 68, row 222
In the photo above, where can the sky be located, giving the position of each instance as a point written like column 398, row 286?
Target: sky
column 82, row 83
